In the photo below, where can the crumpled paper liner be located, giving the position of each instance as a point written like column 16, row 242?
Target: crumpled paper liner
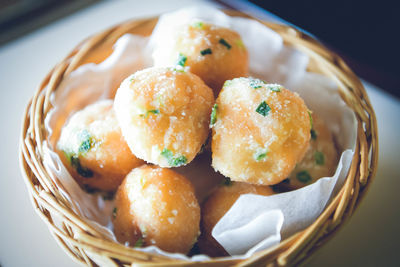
column 268, row 219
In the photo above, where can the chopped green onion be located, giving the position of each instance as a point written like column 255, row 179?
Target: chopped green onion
column 179, row 69
column 82, row 171
column 260, row 154
column 181, row 60
column 173, row 161
column 263, row 109
column 256, row 83
column 225, row 43
column 311, row 120
column 86, row 143
column 179, row 161
column 319, row 158
column 213, row 115
column 153, row 111
column 313, row 134
column 274, row 87
column 198, row 24
column 206, row 52
column 303, row 176
column 139, row 243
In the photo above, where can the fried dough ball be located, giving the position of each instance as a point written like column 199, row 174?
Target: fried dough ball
column 320, row 160
column 215, row 207
column 92, row 148
column 214, row 53
column 260, row 131
column 164, row 115
column 156, row 206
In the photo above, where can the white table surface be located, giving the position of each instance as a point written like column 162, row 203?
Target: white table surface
column 370, row 238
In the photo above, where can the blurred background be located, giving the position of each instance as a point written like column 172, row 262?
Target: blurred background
column 364, row 33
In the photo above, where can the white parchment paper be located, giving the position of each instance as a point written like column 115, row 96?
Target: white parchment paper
column 258, row 222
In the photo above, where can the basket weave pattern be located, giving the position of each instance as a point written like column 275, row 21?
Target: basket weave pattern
column 85, row 244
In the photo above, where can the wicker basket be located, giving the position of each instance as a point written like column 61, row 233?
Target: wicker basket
column 87, row 245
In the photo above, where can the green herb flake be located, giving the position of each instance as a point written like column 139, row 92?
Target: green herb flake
column 206, row 52
column 225, row 43
column 313, row 134
column 153, row 111
column 274, row 87
column 114, row 213
column 311, row 120
column 198, row 25
column 139, row 243
column 173, row 161
column 181, row 60
column 86, row 141
column 226, row 182
column 260, row 154
column 263, row 109
column 256, row 83
column 82, row 171
column 179, row 161
column 213, row 115
column 167, row 153
column 319, row 158
column 303, row 176
column 178, row 69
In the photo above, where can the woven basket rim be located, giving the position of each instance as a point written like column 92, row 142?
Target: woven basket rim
column 80, row 239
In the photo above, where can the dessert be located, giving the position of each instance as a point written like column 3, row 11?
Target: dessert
column 156, row 206
column 259, row 131
column 214, row 53
column 215, row 207
column 92, row 148
column 164, row 115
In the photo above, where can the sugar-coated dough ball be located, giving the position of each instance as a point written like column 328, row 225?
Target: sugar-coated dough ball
column 164, row 115
column 215, row 207
column 92, row 148
column 260, row 131
column 320, row 160
column 156, row 206
column 214, row 53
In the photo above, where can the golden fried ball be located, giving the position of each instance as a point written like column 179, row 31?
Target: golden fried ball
column 260, row 131
column 164, row 115
column 215, row 207
column 92, row 148
column 156, row 206
column 320, row 159
column 214, row 53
